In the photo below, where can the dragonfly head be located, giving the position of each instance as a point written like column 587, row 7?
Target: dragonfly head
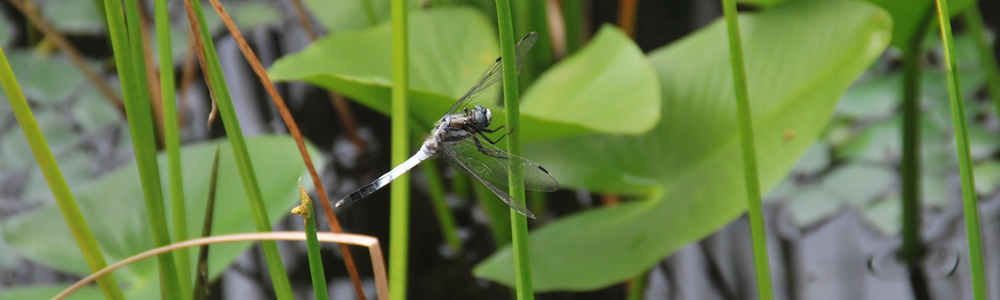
column 482, row 116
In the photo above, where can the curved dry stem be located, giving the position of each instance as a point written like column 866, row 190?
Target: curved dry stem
column 378, row 268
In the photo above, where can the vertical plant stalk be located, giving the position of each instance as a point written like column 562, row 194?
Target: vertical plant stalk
column 399, row 208
column 637, row 287
column 528, row 16
column 201, row 287
column 964, row 157
column 519, row 223
column 293, row 128
column 626, row 16
column 74, row 56
column 912, row 248
column 57, row 184
column 171, row 135
column 435, row 187
column 153, row 78
column 220, row 92
column 974, row 23
column 497, row 211
column 573, row 19
column 757, row 229
column 127, row 46
column 312, row 244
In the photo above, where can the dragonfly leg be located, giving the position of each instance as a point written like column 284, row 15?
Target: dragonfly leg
column 488, row 152
column 494, row 129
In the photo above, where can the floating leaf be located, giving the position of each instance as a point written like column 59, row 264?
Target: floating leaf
column 876, row 98
column 119, row 223
column 812, row 206
column 44, row 79
column 859, row 184
column 74, row 17
column 816, row 159
column 885, row 215
column 800, row 56
column 14, row 150
column 46, row 292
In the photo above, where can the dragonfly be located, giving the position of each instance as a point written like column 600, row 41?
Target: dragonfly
column 460, row 137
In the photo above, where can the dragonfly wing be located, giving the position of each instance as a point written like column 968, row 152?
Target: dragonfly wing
column 485, row 92
column 495, row 166
column 513, row 203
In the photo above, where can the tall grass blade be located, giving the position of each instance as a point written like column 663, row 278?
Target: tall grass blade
column 749, row 152
column 964, row 156
column 519, row 223
column 172, row 139
column 217, row 83
column 637, row 287
column 399, row 194
column 128, row 49
column 201, row 287
column 312, row 244
column 573, row 21
column 912, row 248
column 57, row 184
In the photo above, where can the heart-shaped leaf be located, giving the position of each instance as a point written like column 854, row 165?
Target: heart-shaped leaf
column 800, row 57
column 116, row 215
column 451, row 47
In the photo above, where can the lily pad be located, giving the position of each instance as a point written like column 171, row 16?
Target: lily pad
column 44, row 79
column 74, row 17
column 446, row 63
column 812, row 206
column 987, row 177
column 800, row 56
column 859, row 184
column 119, row 222
column 14, row 150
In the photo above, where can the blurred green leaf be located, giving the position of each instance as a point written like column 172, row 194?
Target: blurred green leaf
column 875, row 98
column 92, row 111
column 46, row 292
column 800, row 56
column 342, row 15
column 446, row 63
column 45, row 79
column 987, row 177
column 859, row 184
column 118, row 222
column 816, row 159
column 74, row 17
column 253, row 14
column 786, row 189
column 813, row 205
column 885, row 215
column 14, row 150
column 77, row 168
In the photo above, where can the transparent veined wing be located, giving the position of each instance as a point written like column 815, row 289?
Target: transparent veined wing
column 494, row 167
column 492, row 170
column 486, row 92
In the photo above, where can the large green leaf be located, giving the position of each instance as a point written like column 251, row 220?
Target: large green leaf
column 117, row 217
column 46, row 292
column 608, row 86
column 451, row 47
column 45, row 79
column 800, row 57
column 906, row 14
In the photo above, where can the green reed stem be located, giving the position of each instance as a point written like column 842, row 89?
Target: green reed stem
column 638, row 287
column 312, row 244
column 912, row 248
column 573, row 21
column 57, row 184
column 399, row 208
column 171, row 134
column 279, row 279
column 974, row 23
column 130, row 61
column 964, row 157
column 435, row 187
column 497, row 211
column 749, row 152
column 519, row 223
